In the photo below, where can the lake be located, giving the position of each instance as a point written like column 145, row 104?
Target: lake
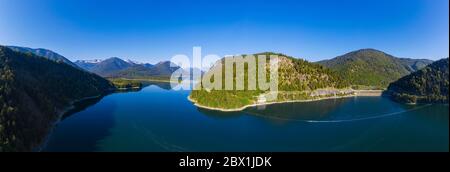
column 157, row 119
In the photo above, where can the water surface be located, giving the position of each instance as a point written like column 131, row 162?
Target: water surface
column 158, row 119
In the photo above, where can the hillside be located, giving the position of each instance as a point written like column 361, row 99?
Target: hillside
column 34, row 91
column 43, row 53
column 298, row 79
column 369, row 67
column 428, row 85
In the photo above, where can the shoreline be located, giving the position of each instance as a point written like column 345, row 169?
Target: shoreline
column 149, row 80
column 130, row 88
column 361, row 93
column 60, row 115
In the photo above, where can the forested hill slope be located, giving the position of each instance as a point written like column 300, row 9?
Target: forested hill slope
column 33, row 93
column 428, row 85
column 297, row 80
column 370, row 67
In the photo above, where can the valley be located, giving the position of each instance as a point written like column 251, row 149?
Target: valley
column 40, row 87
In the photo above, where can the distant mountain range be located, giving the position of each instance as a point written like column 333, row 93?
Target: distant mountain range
column 35, row 91
column 117, row 67
column 370, row 67
column 106, row 67
column 111, row 67
column 362, row 68
column 87, row 64
column 428, row 85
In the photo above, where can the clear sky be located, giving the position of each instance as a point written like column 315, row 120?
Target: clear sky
column 151, row 30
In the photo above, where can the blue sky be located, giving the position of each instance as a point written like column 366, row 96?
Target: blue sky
column 151, row 31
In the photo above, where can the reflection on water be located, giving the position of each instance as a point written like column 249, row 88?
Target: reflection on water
column 333, row 110
column 162, row 85
column 81, row 105
column 84, row 126
column 300, row 110
column 159, row 119
column 219, row 114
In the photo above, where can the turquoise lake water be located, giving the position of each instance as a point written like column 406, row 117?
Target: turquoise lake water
column 157, row 119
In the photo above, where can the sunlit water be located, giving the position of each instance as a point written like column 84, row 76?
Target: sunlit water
column 158, row 119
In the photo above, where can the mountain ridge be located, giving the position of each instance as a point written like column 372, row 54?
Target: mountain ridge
column 49, row 54
column 371, row 67
column 116, row 67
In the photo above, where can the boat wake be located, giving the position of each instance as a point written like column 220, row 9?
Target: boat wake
column 340, row 120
